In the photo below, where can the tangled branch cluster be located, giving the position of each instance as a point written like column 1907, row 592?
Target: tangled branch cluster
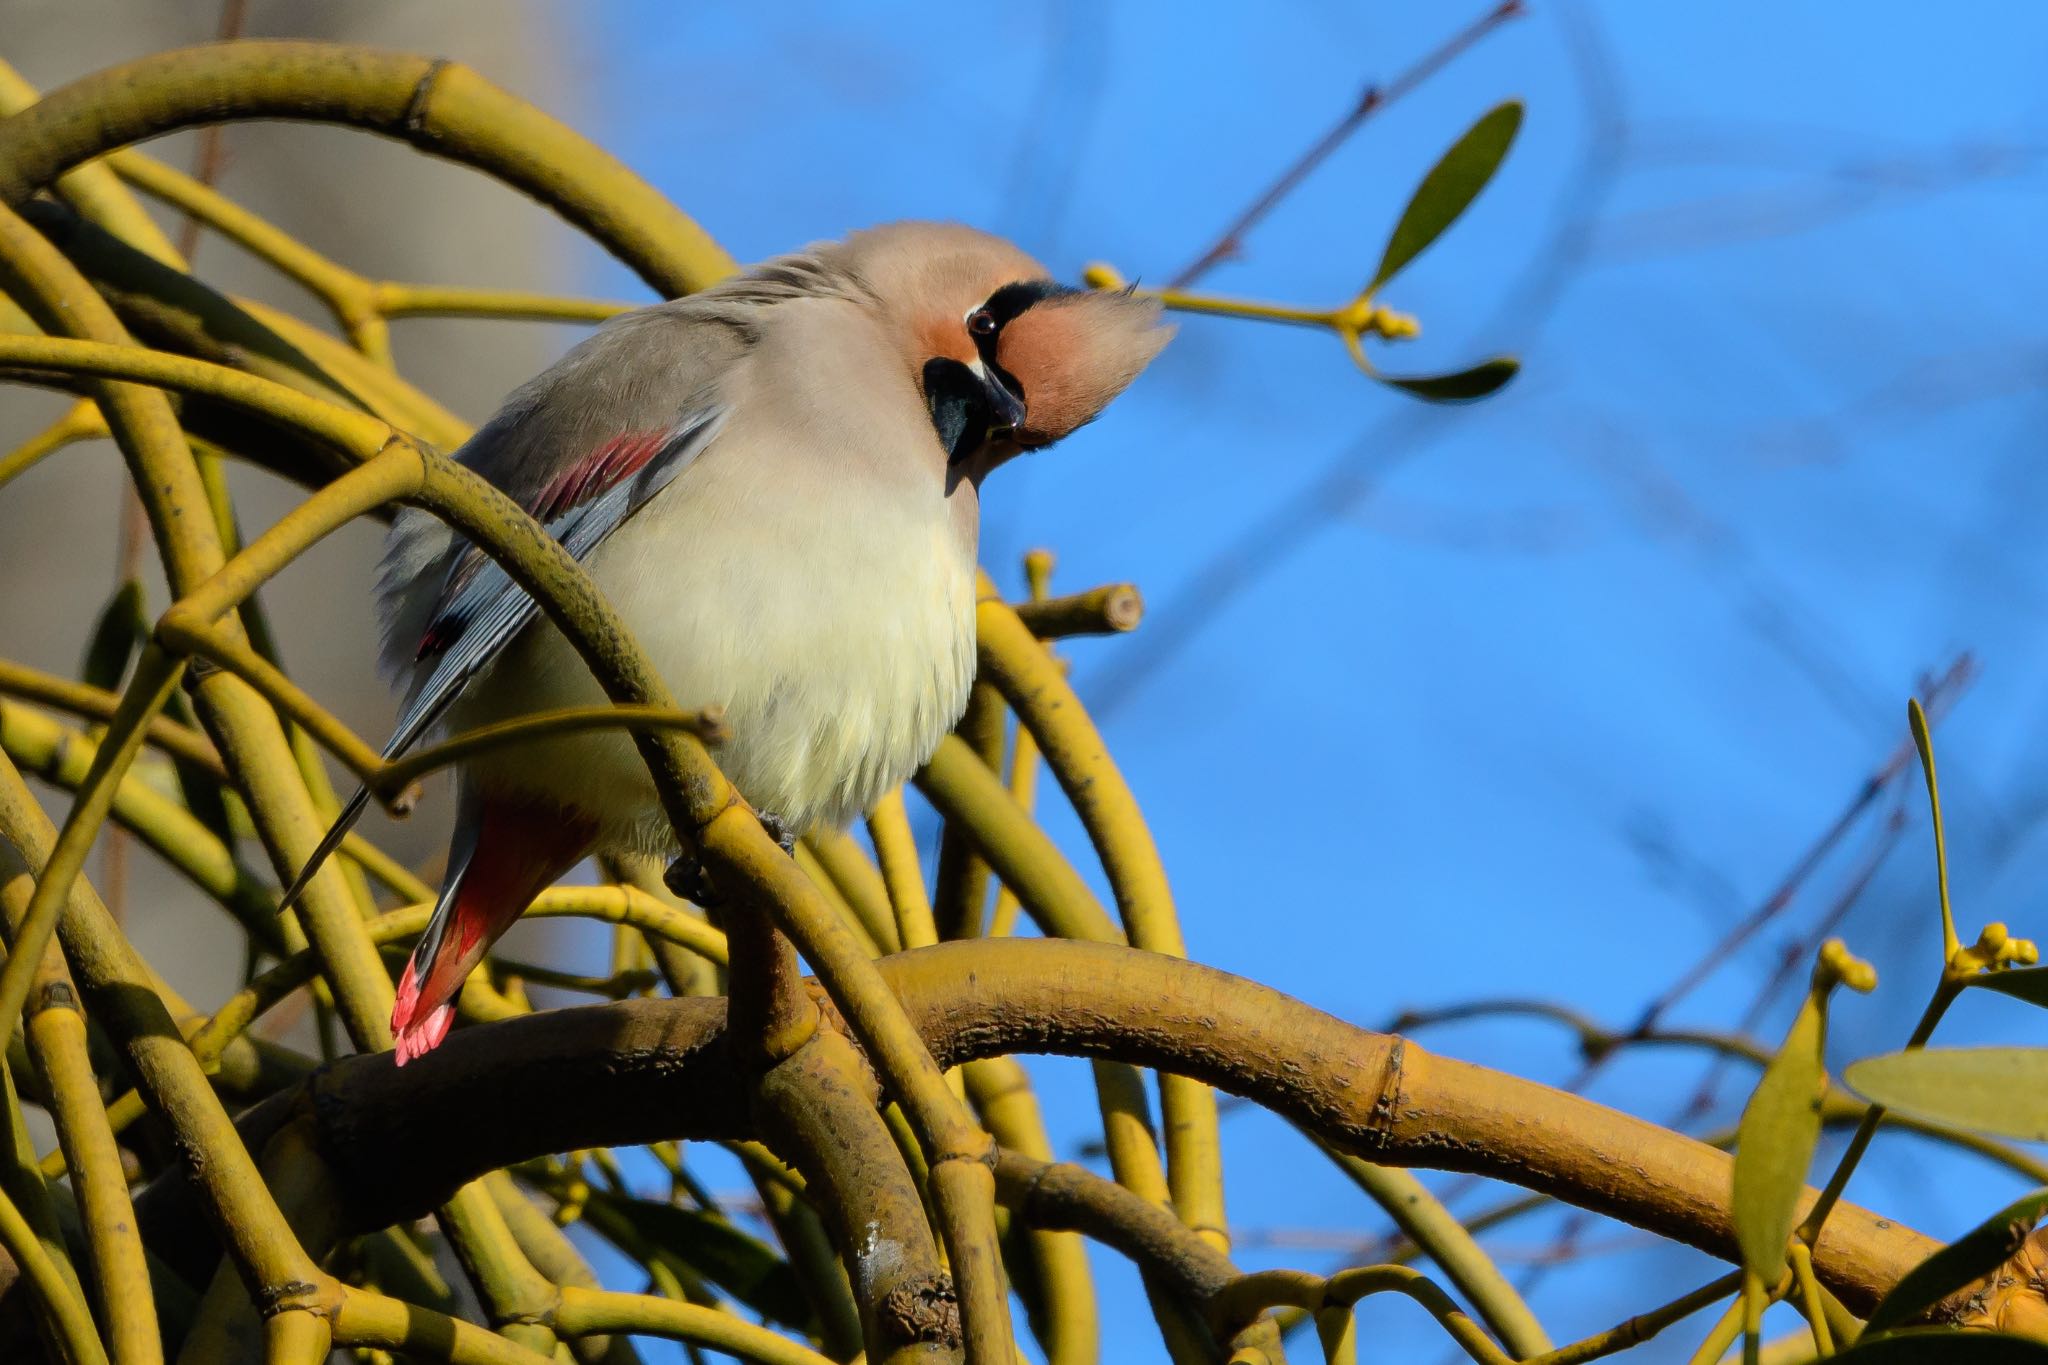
column 892, row 1136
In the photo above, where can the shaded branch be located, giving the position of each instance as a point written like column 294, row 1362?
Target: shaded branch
column 628, row 1073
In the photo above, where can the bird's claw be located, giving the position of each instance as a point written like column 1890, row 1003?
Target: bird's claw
column 687, row 878
column 780, row 830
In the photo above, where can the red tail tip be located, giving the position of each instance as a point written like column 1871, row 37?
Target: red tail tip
column 417, row 1034
column 417, row 1040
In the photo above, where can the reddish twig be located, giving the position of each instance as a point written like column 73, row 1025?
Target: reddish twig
column 134, row 527
column 1799, row 955
column 211, row 156
column 1940, row 695
column 1371, row 101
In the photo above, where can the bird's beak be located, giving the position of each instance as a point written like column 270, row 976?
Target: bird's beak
column 975, row 406
column 1005, row 405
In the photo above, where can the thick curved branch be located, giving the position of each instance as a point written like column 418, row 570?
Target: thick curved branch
column 817, row 1105
column 617, row 1075
column 167, row 308
column 437, row 106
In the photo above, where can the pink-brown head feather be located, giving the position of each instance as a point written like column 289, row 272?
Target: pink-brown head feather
column 930, row 276
column 1064, row 355
column 1072, row 353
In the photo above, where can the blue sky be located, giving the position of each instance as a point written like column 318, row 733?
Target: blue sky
column 1535, row 697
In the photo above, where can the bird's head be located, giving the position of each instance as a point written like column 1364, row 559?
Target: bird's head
column 1006, row 359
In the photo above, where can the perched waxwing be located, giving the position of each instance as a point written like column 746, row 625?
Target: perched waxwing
column 776, row 483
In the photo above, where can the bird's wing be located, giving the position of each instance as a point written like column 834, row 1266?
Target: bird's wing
column 560, row 439
column 582, row 447
column 480, row 609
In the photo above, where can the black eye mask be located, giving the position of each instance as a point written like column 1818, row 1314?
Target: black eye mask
column 959, row 402
column 1013, row 299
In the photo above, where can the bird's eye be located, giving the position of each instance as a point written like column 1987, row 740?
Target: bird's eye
column 982, row 323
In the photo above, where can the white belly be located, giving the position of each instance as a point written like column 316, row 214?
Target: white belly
column 841, row 646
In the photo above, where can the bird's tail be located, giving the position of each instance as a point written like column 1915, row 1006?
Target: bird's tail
column 505, row 853
column 330, row 841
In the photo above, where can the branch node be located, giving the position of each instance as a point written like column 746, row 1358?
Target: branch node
column 413, row 123
column 921, row 1311
column 1386, row 1104
column 984, row 1153
column 57, row 995
column 291, row 1296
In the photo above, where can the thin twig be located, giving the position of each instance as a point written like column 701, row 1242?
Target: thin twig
column 1939, row 698
column 1800, row 953
column 1941, row 694
column 1373, row 99
column 1351, row 477
column 134, row 534
column 210, row 157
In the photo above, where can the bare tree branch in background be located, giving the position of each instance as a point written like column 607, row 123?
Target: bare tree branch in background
column 1355, row 474
column 208, row 161
column 1371, row 100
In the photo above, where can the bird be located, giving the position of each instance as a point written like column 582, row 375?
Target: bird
column 776, row 483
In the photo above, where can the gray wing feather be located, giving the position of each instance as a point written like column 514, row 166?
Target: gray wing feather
column 638, row 373
column 489, row 610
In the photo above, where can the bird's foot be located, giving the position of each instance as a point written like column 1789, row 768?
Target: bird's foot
column 780, row 830
column 687, row 878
